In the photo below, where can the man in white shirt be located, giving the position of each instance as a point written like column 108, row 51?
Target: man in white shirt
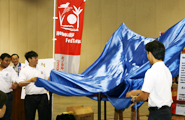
column 18, row 112
column 36, row 97
column 17, row 66
column 157, row 84
column 8, row 81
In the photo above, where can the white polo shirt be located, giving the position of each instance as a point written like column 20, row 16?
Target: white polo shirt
column 29, row 72
column 7, row 76
column 158, row 82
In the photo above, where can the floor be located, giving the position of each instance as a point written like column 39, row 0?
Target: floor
column 60, row 103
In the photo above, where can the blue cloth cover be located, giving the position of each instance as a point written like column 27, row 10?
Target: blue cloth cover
column 120, row 68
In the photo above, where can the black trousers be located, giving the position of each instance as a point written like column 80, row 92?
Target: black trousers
column 8, row 113
column 161, row 114
column 36, row 102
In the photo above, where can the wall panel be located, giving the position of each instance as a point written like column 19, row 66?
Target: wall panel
column 127, row 13
column 13, row 26
column 32, row 18
column 109, row 19
column 92, row 28
column 167, row 14
column 45, row 29
column 50, row 13
column 5, row 26
column 145, row 16
column 22, row 41
column 27, row 24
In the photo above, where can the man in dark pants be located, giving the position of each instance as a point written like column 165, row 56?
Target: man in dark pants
column 36, row 97
column 157, row 84
column 8, row 81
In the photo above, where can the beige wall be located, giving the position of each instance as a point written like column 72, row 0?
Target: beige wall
column 27, row 24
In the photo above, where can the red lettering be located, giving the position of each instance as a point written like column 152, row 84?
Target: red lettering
column 62, row 63
column 58, row 62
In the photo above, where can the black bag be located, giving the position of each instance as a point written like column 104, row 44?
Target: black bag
column 65, row 117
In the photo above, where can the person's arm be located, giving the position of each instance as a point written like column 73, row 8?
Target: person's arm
column 2, row 111
column 133, row 93
column 26, row 82
column 23, row 79
column 143, row 96
column 14, row 78
column 14, row 85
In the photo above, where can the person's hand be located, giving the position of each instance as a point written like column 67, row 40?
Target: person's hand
column 133, row 101
column 34, row 79
column 14, row 85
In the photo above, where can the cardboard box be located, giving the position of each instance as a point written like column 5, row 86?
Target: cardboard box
column 177, row 118
column 73, row 108
column 81, row 112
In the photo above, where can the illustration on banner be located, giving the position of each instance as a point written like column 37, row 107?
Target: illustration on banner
column 69, row 18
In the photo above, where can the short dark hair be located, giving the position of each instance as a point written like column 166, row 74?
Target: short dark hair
column 3, row 99
column 4, row 55
column 15, row 54
column 156, row 48
column 30, row 54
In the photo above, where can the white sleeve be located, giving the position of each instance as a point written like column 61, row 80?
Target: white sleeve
column 14, row 76
column 149, row 81
column 22, row 75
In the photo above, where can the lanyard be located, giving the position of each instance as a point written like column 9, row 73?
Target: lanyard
column 19, row 68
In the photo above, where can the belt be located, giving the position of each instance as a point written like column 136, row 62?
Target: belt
column 37, row 94
column 156, row 108
column 9, row 93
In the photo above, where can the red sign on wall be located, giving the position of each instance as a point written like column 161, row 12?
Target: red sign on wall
column 69, row 27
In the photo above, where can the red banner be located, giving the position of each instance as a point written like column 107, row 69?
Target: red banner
column 69, row 26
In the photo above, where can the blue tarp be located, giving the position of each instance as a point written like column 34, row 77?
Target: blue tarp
column 120, row 68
